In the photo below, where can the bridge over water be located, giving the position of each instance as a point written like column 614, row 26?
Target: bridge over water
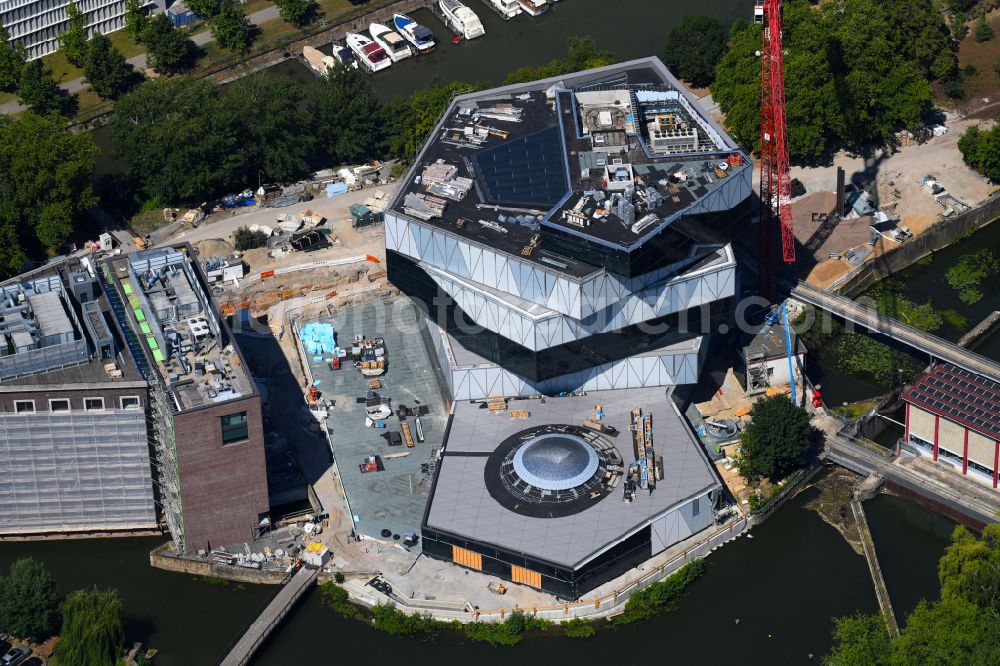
column 876, row 322
column 291, row 591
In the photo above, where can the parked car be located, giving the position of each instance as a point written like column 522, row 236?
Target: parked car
column 15, row 656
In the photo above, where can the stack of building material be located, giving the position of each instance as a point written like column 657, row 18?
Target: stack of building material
column 423, row 206
column 455, row 189
column 438, row 172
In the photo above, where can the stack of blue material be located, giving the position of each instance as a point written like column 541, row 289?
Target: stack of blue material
column 318, row 338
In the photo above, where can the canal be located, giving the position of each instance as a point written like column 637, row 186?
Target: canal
column 783, row 585
column 628, row 28
column 926, row 281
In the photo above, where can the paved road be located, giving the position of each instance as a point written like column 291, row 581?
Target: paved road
column 874, row 321
column 139, row 61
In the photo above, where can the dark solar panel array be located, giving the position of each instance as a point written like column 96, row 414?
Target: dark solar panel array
column 962, row 394
column 529, row 170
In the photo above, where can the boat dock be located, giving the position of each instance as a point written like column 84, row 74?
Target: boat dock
column 257, row 632
column 868, row 544
column 435, row 9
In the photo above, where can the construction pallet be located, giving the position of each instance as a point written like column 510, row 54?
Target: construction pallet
column 374, row 384
column 496, row 405
column 407, row 437
column 520, row 414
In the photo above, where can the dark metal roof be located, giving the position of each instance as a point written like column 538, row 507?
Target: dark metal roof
column 961, row 396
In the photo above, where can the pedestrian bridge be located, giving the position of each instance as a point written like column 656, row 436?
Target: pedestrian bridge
column 291, row 591
column 874, row 321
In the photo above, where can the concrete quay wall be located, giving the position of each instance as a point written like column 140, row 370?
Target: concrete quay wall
column 938, row 237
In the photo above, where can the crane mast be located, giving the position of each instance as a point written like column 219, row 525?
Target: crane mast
column 775, row 182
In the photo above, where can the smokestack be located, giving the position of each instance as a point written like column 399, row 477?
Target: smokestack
column 840, row 192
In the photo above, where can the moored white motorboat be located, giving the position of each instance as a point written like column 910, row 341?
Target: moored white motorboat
column 390, row 41
column 416, row 34
column 371, row 56
column 461, row 19
column 508, row 9
column 534, row 7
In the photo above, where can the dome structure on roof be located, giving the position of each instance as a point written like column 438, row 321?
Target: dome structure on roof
column 556, row 461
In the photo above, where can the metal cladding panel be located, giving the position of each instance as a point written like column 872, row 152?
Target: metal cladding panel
column 636, row 372
column 544, row 331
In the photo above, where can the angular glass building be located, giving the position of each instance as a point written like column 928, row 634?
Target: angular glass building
column 572, row 233
column 570, row 241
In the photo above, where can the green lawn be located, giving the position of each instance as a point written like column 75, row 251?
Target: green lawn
column 63, row 71
column 7, row 97
column 124, row 43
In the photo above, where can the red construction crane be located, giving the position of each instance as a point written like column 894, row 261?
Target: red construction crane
column 775, row 183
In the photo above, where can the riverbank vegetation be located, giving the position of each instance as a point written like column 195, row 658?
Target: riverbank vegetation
column 694, row 48
column 659, row 597
column 855, row 73
column 858, row 354
column 962, row 628
column 581, row 53
column 647, row 603
column 90, row 623
column 29, row 602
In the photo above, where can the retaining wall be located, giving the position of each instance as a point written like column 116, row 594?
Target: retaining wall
column 939, row 236
column 164, row 558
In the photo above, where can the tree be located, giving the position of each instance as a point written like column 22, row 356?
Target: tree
column 921, row 37
column 168, row 50
column 231, row 28
column 776, row 440
column 345, row 115
column 12, row 58
column 204, row 8
column 93, row 629
column 245, row 239
column 962, row 628
column 297, row 12
column 73, row 42
column 883, row 91
column 970, row 567
column 40, row 91
column 29, row 606
column 860, row 640
column 581, row 54
column 406, row 122
column 694, row 48
column 136, row 18
column 180, row 138
column 273, row 127
column 981, row 31
column 736, row 88
column 106, row 70
column 45, row 181
column 981, row 150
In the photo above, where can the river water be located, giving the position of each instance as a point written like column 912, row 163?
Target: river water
column 923, row 282
column 784, row 585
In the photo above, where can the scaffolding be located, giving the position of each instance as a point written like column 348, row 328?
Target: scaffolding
column 75, row 472
column 758, row 375
column 167, row 476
